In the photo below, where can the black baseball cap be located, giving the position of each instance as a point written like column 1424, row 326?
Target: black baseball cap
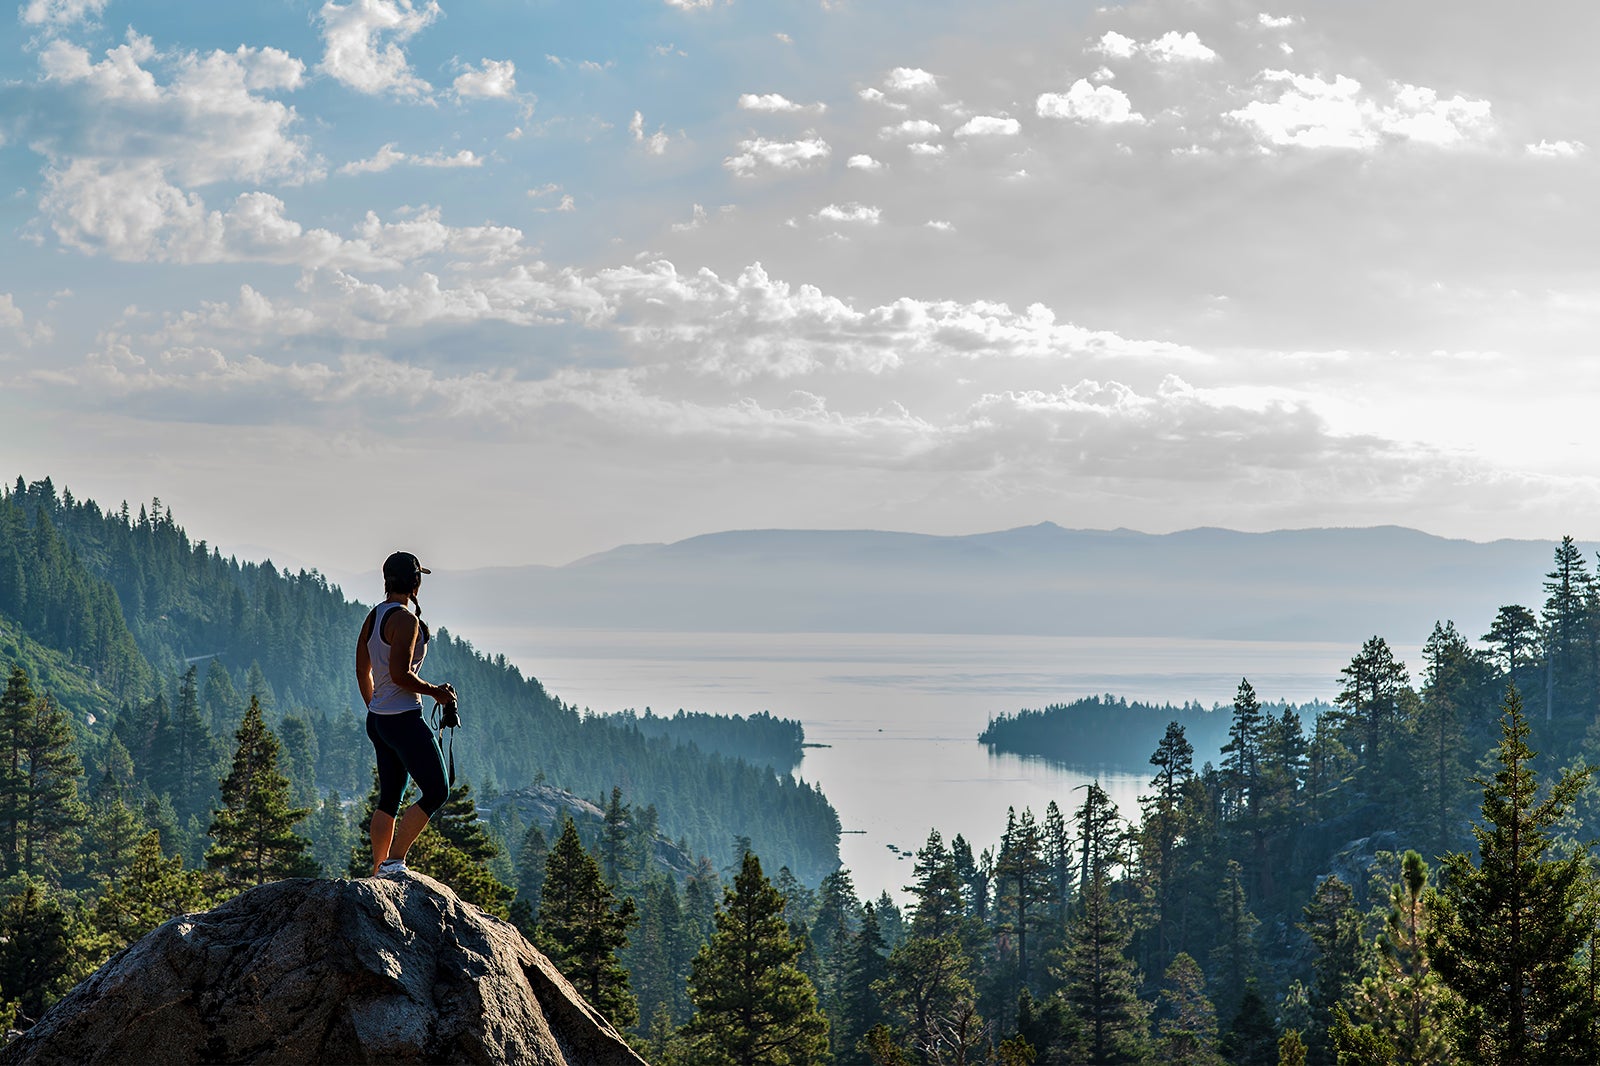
column 402, row 565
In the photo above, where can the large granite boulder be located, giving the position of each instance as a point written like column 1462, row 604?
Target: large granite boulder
column 312, row 971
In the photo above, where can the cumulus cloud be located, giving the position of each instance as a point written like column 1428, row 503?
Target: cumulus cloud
column 878, row 96
column 919, row 128
column 1275, row 22
column 989, row 126
column 362, row 45
column 755, row 324
column 925, row 150
column 496, row 79
column 1116, row 45
column 1170, row 47
column 691, row 5
column 135, row 213
column 863, row 162
column 385, row 158
column 776, row 103
column 60, row 13
column 759, row 153
column 1557, row 149
column 910, row 80
column 1089, row 103
column 654, row 143
column 851, row 212
column 1308, row 111
column 388, row 156
column 208, row 123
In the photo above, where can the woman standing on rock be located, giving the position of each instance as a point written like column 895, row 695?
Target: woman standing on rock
column 389, row 652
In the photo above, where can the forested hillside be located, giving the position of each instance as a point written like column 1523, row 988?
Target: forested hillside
column 1402, row 876
column 161, row 641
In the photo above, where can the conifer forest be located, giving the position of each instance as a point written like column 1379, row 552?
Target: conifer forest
column 1401, row 875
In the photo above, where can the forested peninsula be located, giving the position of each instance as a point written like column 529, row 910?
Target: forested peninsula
column 1402, row 875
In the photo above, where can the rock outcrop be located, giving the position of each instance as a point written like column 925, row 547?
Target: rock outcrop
column 313, row 971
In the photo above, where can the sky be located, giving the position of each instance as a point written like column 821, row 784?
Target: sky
column 516, row 281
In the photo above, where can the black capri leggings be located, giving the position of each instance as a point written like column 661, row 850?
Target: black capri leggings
column 405, row 746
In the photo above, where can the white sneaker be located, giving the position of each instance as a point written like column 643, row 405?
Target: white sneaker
column 395, row 868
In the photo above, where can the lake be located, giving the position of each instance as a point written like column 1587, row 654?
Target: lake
column 900, row 713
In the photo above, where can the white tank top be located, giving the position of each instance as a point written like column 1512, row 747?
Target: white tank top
column 388, row 697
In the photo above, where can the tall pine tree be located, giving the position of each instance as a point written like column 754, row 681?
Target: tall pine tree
column 252, row 833
column 753, row 1006
column 1508, row 927
column 582, row 926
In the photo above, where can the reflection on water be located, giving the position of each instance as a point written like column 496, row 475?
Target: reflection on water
column 900, row 713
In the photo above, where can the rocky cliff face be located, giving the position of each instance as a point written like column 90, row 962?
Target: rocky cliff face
column 312, row 971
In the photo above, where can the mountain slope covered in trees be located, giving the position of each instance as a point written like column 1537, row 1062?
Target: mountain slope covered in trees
column 158, row 639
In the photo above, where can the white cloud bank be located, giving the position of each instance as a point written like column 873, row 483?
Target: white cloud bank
column 362, row 45
column 496, row 79
column 388, row 156
column 989, row 126
column 1307, row 111
column 759, row 153
column 60, row 13
column 1170, row 47
column 777, row 103
column 1100, row 104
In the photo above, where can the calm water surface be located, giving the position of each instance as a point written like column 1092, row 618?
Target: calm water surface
column 900, row 713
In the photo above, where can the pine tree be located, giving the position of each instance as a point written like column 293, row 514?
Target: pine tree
column 1164, row 824
column 937, row 888
column 581, row 927
column 1241, row 755
column 1100, row 984
column 532, row 855
column 332, row 836
column 193, row 752
column 1234, row 956
column 111, row 835
column 752, row 1003
column 1515, row 633
column 253, row 837
column 658, row 953
column 836, row 917
column 616, row 856
column 1398, row 1014
column 927, row 981
column 1022, row 880
column 1569, row 591
column 150, row 890
column 1507, row 929
column 1188, row 1021
column 1369, row 715
column 860, row 1007
column 1251, row 1039
column 16, row 714
column 1335, row 927
column 40, row 813
column 36, row 942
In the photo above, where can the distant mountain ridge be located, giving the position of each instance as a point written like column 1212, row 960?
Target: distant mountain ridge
column 1308, row 584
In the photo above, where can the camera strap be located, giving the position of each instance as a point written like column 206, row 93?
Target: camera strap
column 438, row 732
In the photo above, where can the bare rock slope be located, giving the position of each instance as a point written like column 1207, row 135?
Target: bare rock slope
column 313, row 971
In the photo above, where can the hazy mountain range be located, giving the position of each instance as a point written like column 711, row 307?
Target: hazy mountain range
column 1312, row 584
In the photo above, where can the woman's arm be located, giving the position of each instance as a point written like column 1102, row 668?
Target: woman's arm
column 402, row 645
column 364, row 660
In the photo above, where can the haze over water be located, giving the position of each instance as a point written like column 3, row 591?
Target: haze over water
column 900, row 713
